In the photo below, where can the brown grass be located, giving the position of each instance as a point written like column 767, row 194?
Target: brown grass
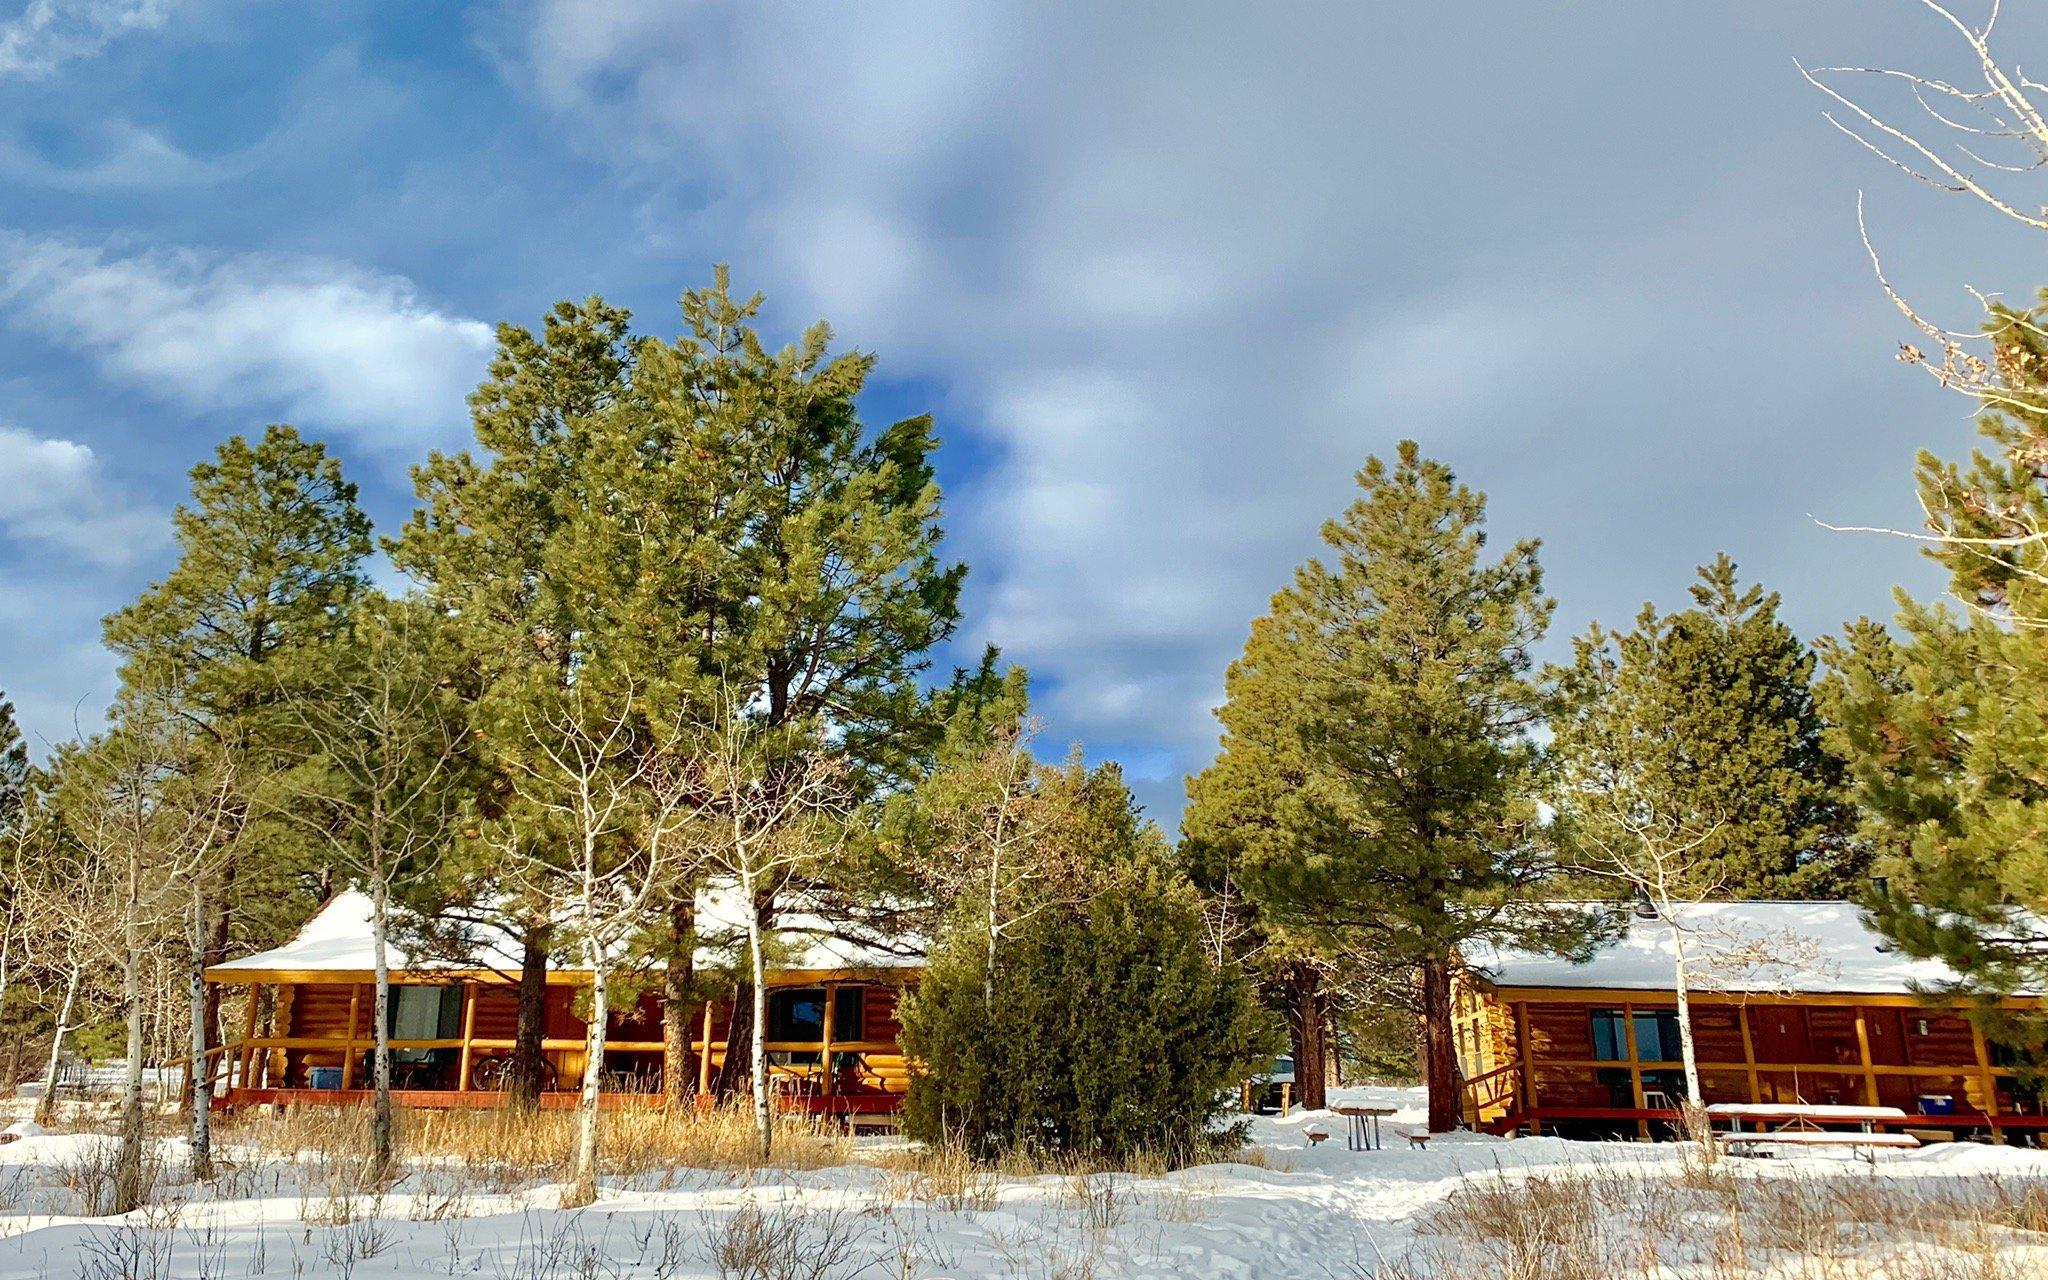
column 503, row 1149
column 1721, row 1224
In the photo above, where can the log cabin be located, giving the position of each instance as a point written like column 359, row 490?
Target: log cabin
column 1792, row 1002
column 307, row 1031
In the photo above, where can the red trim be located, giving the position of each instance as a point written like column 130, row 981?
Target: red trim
column 1958, row 1121
column 559, row 1100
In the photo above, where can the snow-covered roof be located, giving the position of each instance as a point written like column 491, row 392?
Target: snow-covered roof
column 337, row 939
column 1816, row 948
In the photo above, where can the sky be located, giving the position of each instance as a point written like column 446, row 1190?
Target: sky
column 1165, row 274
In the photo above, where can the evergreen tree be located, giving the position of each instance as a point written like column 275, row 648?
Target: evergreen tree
column 270, row 552
column 271, row 549
column 485, row 546
column 16, row 851
column 1106, row 1027
column 1944, row 722
column 708, row 518
column 1708, row 717
column 1376, row 771
column 14, row 768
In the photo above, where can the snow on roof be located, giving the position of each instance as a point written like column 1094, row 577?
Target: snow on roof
column 1814, row 948
column 337, row 939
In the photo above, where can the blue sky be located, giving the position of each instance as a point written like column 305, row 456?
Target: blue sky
column 1166, row 274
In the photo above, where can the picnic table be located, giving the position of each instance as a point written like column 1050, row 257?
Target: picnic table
column 1798, row 1116
column 1363, row 1133
column 1800, row 1125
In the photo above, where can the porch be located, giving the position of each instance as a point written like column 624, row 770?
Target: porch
column 1591, row 1062
column 831, row 1043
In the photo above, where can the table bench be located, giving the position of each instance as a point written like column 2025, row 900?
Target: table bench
column 1866, row 1145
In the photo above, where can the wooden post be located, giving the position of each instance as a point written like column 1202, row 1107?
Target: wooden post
column 248, row 1054
column 1863, row 1052
column 278, row 1061
column 1989, row 1080
column 704, row 1055
column 825, row 1042
column 1525, row 1049
column 1749, row 1052
column 348, row 1044
column 469, row 994
column 1635, row 1068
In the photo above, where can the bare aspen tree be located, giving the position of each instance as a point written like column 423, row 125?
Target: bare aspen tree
column 1652, row 854
column 66, row 926
column 977, row 832
column 759, row 805
column 145, row 810
column 46, row 1106
column 1985, row 139
column 594, row 838
column 384, row 734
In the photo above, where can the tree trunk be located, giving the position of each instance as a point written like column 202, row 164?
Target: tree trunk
column 527, row 1059
column 1307, row 1018
column 764, row 1118
column 1439, row 1048
column 46, row 1106
column 128, row 1160
column 200, row 1073
column 582, row 1189
column 216, row 951
column 382, row 1148
column 678, row 1007
column 6, row 950
column 739, row 1040
column 1681, row 979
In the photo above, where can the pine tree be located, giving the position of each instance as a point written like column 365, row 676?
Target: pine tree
column 16, row 851
column 1709, row 718
column 1377, row 772
column 709, row 519
column 271, row 550
column 1944, row 721
column 14, row 768
column 485, row 545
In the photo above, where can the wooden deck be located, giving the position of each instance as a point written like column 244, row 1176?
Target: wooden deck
column 1960, row 1121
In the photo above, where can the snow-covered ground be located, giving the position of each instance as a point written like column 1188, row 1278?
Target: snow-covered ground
column 1300, row 1211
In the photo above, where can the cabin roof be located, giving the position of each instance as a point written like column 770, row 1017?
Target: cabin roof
column 1816, row 948
column 337, row 939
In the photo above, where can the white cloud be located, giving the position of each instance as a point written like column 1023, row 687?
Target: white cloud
column 56, row 494
column 324, row 343
column 126, row 156
column 1186, row 268
column 49, row 33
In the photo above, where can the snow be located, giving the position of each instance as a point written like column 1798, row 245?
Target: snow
column 1299, row 1211
column 1819, row 948
column 337, row 939
column 1806, row 1110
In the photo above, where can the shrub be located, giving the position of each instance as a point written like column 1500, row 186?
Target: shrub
column 1113, row 1029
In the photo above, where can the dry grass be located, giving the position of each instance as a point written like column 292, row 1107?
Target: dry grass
column 503, row 1149
column 1721, row 1224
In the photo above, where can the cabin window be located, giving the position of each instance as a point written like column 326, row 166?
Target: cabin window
column 1656, row 1036
column 847, row 1007
column 425, row 1013
column 799, row 1014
